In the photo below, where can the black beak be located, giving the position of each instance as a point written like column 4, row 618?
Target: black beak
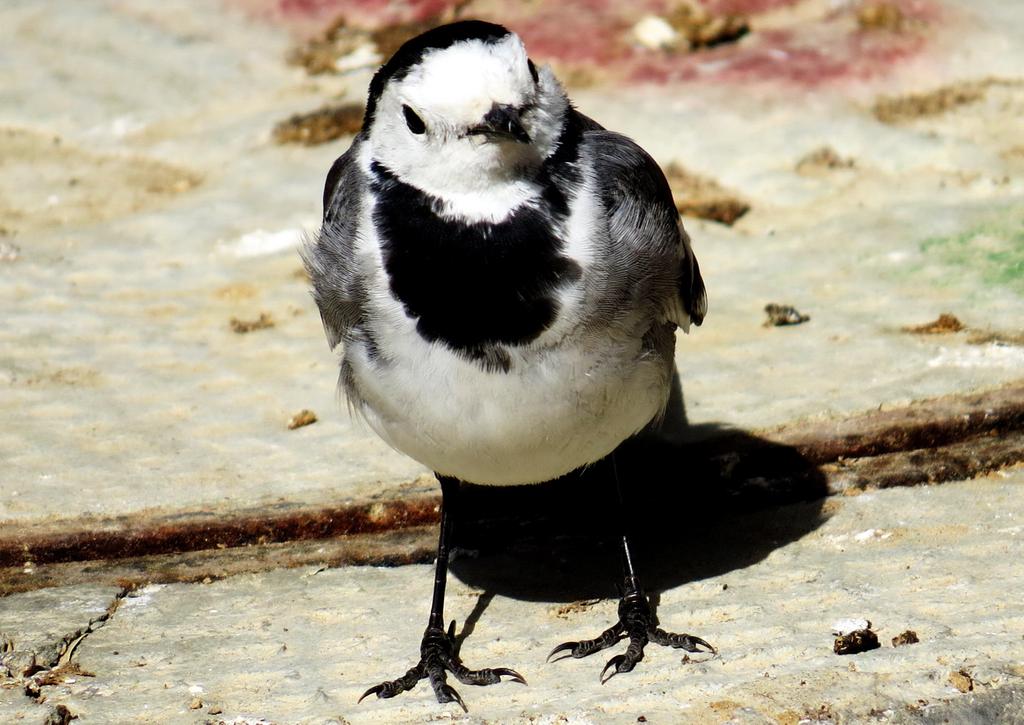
column 502, row 122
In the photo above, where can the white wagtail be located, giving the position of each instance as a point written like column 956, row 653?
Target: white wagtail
column 505, row 277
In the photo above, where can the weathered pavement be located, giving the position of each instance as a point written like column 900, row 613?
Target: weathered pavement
column 300, row 645
column 144, row 437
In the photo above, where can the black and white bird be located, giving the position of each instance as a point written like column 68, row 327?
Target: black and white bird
column 505, row 278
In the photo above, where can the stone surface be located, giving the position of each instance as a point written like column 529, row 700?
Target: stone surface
column 301, row 645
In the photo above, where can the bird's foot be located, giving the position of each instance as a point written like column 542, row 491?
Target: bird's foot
column 636, row 621
column 438, row 655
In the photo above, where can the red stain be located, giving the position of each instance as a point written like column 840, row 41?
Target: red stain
column 594, row 35
column 744, row 7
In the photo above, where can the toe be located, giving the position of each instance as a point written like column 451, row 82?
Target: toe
column 564, row 647
column 615, row 664
column 375, row 690
column 447, row 693
column 511, row 674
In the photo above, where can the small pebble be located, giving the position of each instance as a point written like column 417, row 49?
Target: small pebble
column 908, row 637
column 781, row 315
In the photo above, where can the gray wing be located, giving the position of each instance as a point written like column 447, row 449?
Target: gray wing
column 330, row 256
column 647, row 236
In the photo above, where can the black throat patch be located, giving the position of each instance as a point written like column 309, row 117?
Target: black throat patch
column 473, row 286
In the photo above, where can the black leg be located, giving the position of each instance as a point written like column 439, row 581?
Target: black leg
column 438, row 652
column 636, row 618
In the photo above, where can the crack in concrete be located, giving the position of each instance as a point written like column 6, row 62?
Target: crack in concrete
column 51, row 664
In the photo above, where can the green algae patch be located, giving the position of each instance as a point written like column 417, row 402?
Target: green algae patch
column 993, row 250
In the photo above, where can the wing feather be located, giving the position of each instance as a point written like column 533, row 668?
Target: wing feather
column 648, row 242
column 330, row 256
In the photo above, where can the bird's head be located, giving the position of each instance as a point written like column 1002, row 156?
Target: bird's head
column 462, row 107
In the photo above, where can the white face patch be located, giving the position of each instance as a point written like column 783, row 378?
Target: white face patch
column 462, row 82
column 476, row 177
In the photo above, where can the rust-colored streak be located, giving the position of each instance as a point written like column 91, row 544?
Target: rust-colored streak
column 949, row 438
column 928, row 424
column 956, row 462
column 412, row 545
column 133, row 536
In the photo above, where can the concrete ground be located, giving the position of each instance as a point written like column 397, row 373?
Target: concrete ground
column 158, row 337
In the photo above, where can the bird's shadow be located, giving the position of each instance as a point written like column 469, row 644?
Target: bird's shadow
column 699, row 501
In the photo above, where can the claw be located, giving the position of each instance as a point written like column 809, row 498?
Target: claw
column 510, row 673
column 697, row 641
column 614, row 662
column 453, row 696
column 375, row 690
column 562, row 648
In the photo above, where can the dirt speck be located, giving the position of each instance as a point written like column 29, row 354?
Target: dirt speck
column 705, row 198
column 822, row 714
column 575, row 607
column 60, row 715
column 320, row 54
column 861, row 640
column 961, row 680
column 320, row 126
column 986, row 337
column 905, row 638
column 782, row 315
column 301, row 419
column 703, row 29
column 945, row 323
column 821, row 159
column 340, row 47
column 725, row 708
column 880, row 16
column 899, row 109
column 242, row 327
column 236, row 291
column 77, row 377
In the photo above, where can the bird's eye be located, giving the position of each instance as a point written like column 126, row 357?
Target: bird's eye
column 414, row 122
column 533, row 70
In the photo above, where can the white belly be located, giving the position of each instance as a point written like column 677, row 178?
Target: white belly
column 558, row 408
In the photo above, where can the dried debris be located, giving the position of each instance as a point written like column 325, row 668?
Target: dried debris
column 60, row 673
column 948, row 323
column 341, row 48
column 701, row 29
column 821, row 159
column 782, row 315
column 320, row 126
column 851, row 643
column 303, row 418
column 943, row 324
column 880, row 16
column 321, row 53
column 895, row 109
column 905, row 638
column 575, row 607
column 986, row 337
column 899, row 109
column 961, row 680
column 242, row 327
column 60, row 715
column 704, row 198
